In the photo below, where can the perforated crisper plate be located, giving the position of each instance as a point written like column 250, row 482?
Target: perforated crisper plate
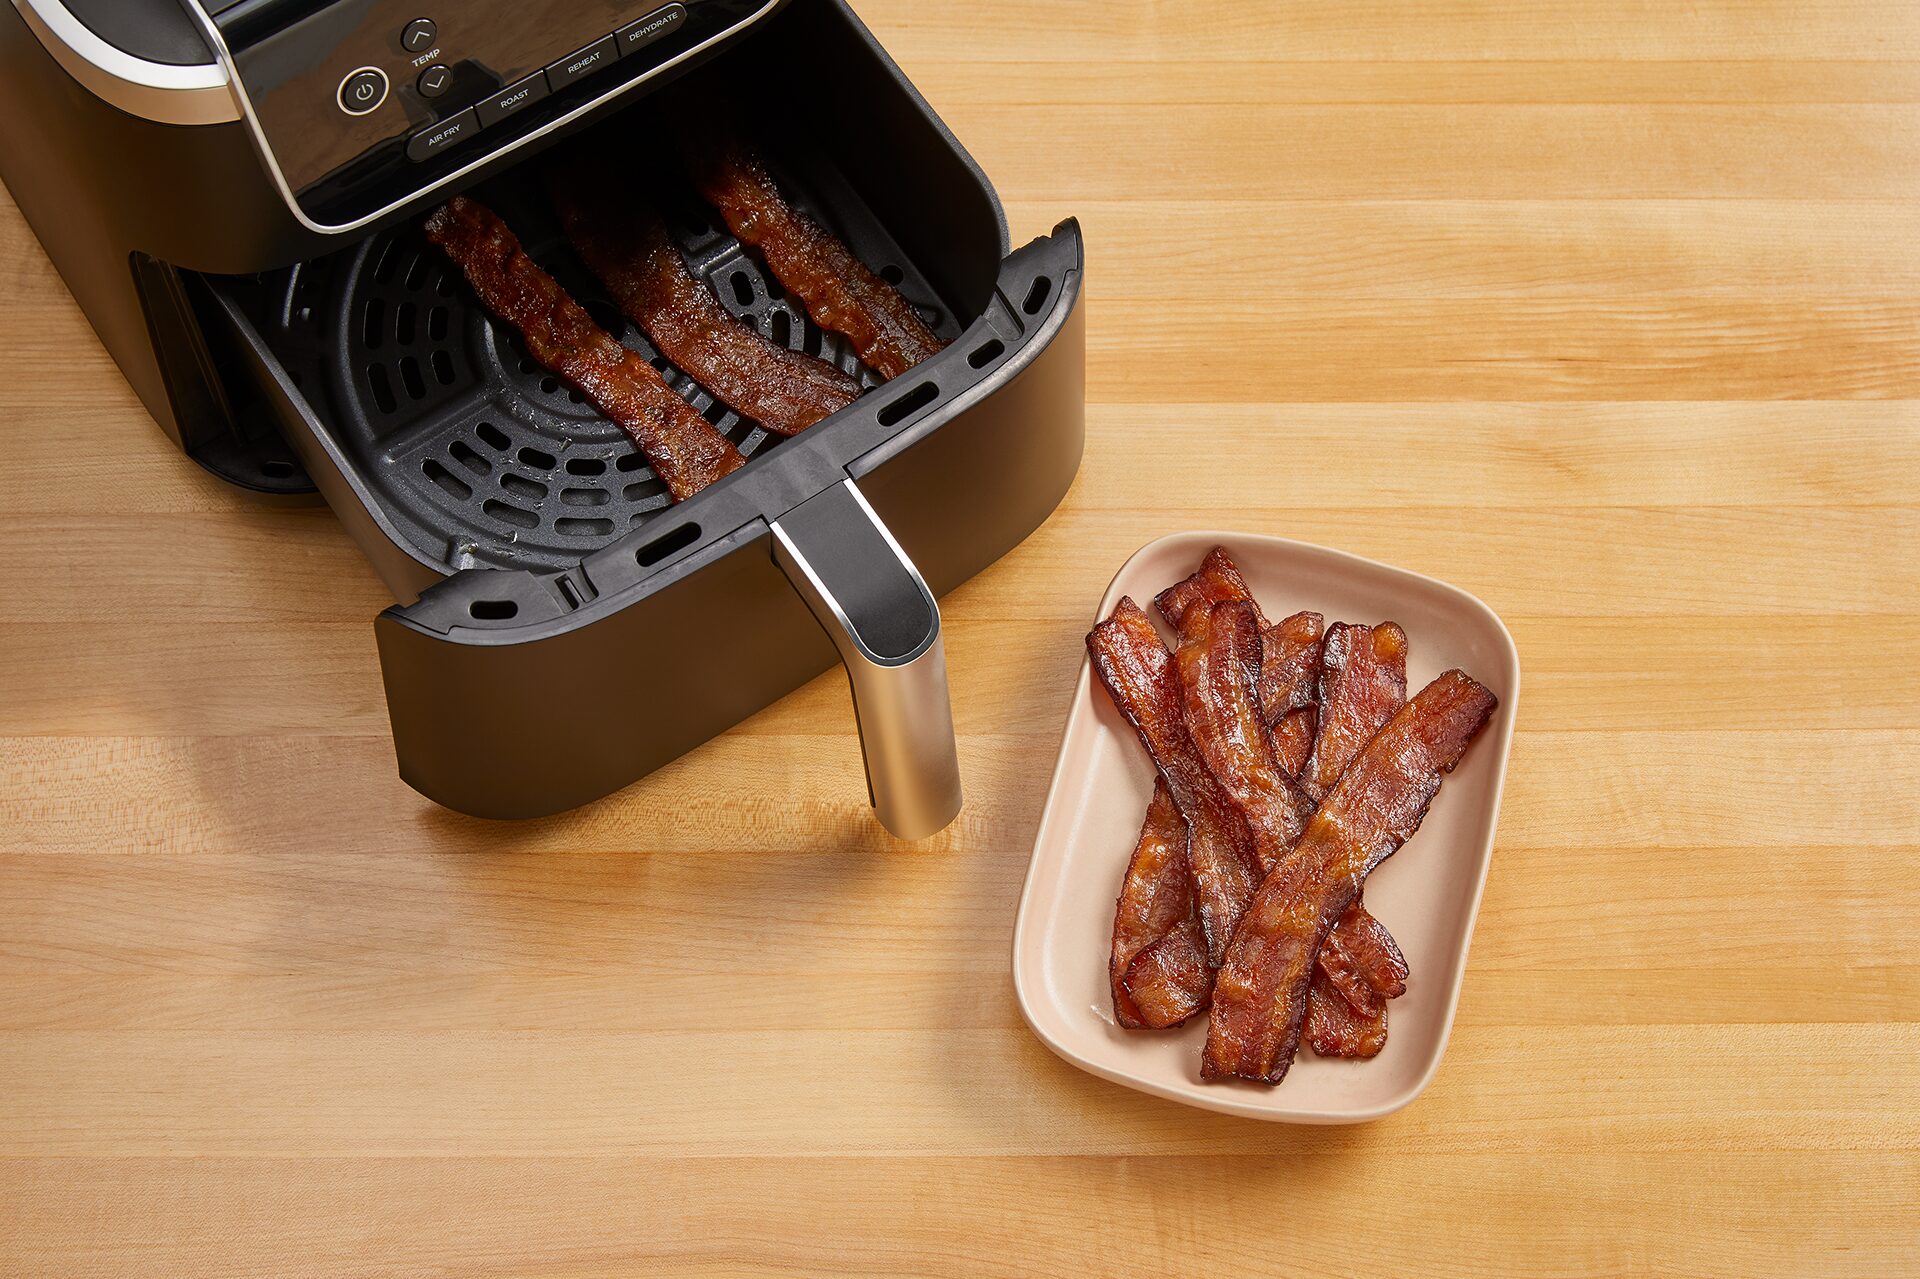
column 481, row 455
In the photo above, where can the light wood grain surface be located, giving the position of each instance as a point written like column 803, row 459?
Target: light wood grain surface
column 1609, row 313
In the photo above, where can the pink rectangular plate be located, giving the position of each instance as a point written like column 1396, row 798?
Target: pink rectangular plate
column 1426, row 894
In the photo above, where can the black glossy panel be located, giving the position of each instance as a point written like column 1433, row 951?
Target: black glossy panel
column 294, row 54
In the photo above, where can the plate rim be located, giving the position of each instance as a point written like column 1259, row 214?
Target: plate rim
column 1236, row 1102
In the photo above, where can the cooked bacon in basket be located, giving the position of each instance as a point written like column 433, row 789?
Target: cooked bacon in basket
column 682, row 447
column 625, row 243
column 839, row 291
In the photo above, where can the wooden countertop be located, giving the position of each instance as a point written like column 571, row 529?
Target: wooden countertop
column 1609, row 314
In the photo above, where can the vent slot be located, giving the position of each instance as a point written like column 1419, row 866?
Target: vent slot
column 912, row 402
column 523, row 488
column 381, row 386
column 986, row 353
column 1037, row 295
column 463, row 454
column 666, row 544
column 493, row 610
column 411, row 379
column 508, row 513
column 455, row 487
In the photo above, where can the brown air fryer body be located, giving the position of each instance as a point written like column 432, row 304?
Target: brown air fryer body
column 562, row 629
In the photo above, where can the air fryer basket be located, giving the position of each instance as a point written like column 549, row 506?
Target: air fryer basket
column 574, row 631
column 480, row 456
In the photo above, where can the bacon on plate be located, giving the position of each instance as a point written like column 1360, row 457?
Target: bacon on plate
column 1363, row 681
column 1156, row 895
column 1136, row 669
column 1261, row 993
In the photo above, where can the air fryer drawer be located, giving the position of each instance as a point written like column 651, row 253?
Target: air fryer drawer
column 562, row 630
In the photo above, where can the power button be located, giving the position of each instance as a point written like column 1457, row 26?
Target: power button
column 363, row 90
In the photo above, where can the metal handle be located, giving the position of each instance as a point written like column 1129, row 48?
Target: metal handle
column 876, row 608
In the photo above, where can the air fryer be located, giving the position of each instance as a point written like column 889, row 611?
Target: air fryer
column 560, row 628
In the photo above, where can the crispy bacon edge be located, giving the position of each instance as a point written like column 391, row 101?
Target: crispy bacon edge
column 683, row 448
column 1217, row 581
column 1261, row 992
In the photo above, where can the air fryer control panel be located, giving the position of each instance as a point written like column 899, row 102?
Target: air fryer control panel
column 363, row 104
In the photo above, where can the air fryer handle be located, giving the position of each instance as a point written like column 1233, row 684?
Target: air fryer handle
column 879, row 613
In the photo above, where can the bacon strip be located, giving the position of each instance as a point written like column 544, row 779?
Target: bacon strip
column 683, row 448
column 1337, row 1027
column 1370, row 951
column 1171, row 979
column 1290, row 648
column 1363, row 681
column 1293, row 739
column 1261, row 992
column 1137, row 671
column 1216, row 581
column 1290, row 663
column 626, row 244
column 1217, row 663
column 1155, row 895
column 838, row 289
